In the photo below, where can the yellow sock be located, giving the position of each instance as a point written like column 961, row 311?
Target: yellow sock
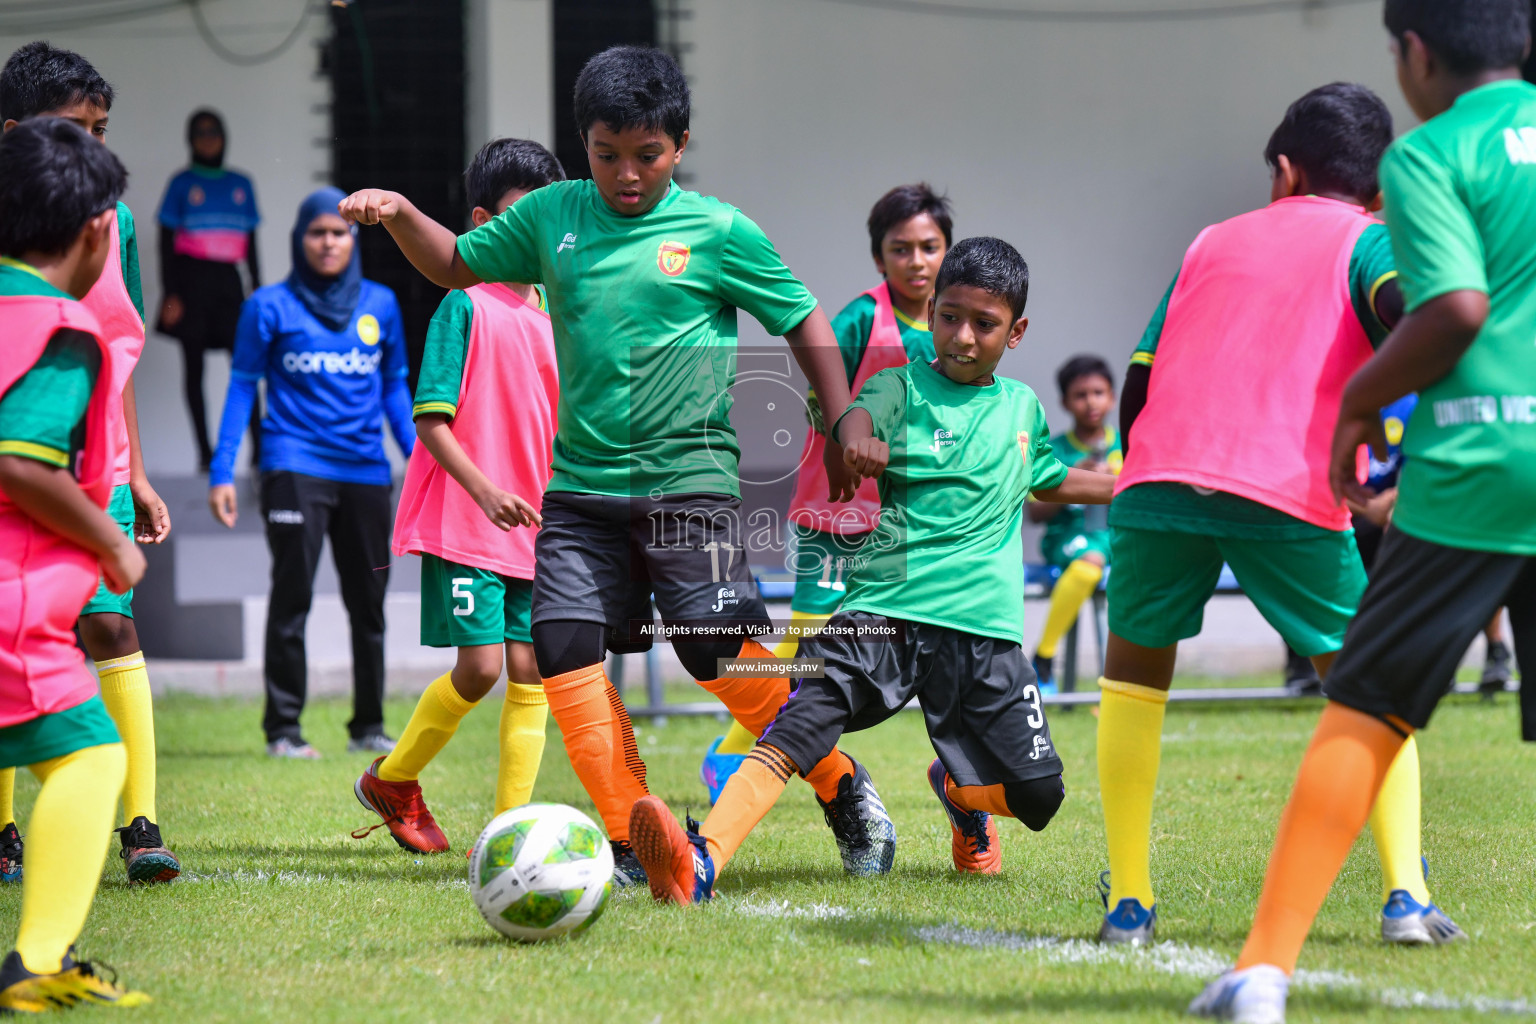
column 801, row 626
column 432, row 725
column 66, row 848
column 125, row 692
column 738, row 738
column 1130, row 749
column 1076, row 585
column 1395, row 826
column 523, row 717
column 7, row 796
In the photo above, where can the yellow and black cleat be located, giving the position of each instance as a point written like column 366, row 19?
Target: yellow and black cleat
column 77, row 984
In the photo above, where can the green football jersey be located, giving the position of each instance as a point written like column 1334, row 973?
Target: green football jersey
column 1071, row 520
column 441, row 379
column 1370, row 266
column 948, row 550
column 42, row 415
column 644, row 317
column 1460, row 193
column 128, row 256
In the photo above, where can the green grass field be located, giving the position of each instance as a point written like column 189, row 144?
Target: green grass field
column 281, row 915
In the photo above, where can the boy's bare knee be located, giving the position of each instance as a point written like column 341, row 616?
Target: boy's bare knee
column 108, row 635
column 477, row 671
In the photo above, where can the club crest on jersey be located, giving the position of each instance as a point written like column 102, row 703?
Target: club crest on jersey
column 1024, row 444
column 196, row 196
column 368, row 329
column 672, row 258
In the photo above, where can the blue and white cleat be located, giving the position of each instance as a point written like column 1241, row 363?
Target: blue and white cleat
column 865, row 833
column 1130, row 923
column 1407, row 922
column 717, row 769
column 1254, row 995
column 677, row 863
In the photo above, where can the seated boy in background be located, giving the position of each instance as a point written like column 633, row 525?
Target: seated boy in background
column 1460, row 200
column 485, row 408
column 1195, row 493
column 910, row 229
column 644, row 282
column 933, row 609
column 58, row 199
column 1072, row 543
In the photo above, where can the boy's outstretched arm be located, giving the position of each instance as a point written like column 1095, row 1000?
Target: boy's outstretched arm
column 500, row 507
column 815, row 348
column 1424, row 347
column 1080, row 488
column 50, row 495
column 431, row 248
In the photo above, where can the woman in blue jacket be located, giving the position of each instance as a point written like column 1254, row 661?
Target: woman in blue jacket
column 331, row 348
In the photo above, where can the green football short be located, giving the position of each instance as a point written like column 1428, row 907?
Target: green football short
column 821, row 562
column 462, row 606
column 120, row 508
column 1308, row 589
column 45, row 737
column 1070, row 549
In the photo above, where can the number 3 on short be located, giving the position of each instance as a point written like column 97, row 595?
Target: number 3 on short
column 1031, row 694
column 461, row 585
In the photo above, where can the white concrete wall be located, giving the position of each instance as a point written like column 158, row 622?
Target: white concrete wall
column 510, row 62
column 278, row 125
column 1099, row 150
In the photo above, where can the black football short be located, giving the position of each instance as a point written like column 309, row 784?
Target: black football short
column 978, row 694
column 1426, row 602
column 601, row 558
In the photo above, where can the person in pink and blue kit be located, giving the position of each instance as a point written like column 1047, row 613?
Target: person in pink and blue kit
column 331, row 348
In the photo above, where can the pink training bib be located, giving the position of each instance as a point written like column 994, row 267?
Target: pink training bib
column 1259, row 341
column 121, row 326
column 44, row 579
column 810, row 507
column 505, row 422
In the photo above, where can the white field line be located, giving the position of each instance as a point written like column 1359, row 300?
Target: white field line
column 289, row 878
column 1173, row 958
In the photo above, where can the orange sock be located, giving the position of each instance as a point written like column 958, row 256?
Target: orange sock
column 1337, row 784
column 754, row 701
column 600, row 743
column 978, row 798
column 746, row 798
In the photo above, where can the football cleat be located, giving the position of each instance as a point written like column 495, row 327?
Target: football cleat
column 1045, row 674
column 1253, row 995
column 865, row 833
column 292, row 750
column 10, row 853
column 1407, row 922
column 1130, row 923
column 677, row 862
column 627, row 870
column 1496, row 673
column 973, row 842
column 76, row 983
column 371, row 743
column 404, row 812
column 718, row 768
column 145, row 857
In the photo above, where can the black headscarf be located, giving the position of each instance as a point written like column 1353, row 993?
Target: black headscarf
column 205, row 114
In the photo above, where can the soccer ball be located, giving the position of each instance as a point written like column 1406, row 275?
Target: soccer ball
column 541, row 870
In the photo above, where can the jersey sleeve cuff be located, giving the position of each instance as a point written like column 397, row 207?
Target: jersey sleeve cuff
column 425, row 408
column 39, row 452
column 1142, row 358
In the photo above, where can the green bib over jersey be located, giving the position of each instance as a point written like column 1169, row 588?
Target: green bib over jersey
column 948, row 550
column 644, row 317
column 1460, row 194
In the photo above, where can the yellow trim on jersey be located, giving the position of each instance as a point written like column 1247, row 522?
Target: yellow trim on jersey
column 919, row 325
column 1111, row 439
column 543, row 299
column 25, row 268
column 39, row 452
column 1142, row 358
column 1380, row 281
column 423, row 408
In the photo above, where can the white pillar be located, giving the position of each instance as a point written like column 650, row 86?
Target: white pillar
column 509, row 66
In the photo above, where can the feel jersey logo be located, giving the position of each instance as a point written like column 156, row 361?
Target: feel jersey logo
column 942, row 439
column 1520, row 144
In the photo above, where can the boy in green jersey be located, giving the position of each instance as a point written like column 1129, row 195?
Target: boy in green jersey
column 644, row 280
column 1071, row 543
column 1460, row 202
column 43, row 80
column 934, row 608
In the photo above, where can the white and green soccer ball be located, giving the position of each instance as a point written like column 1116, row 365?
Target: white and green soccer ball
column 540, row 871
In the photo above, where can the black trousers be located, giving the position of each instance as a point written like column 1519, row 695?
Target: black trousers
column 300, row 512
